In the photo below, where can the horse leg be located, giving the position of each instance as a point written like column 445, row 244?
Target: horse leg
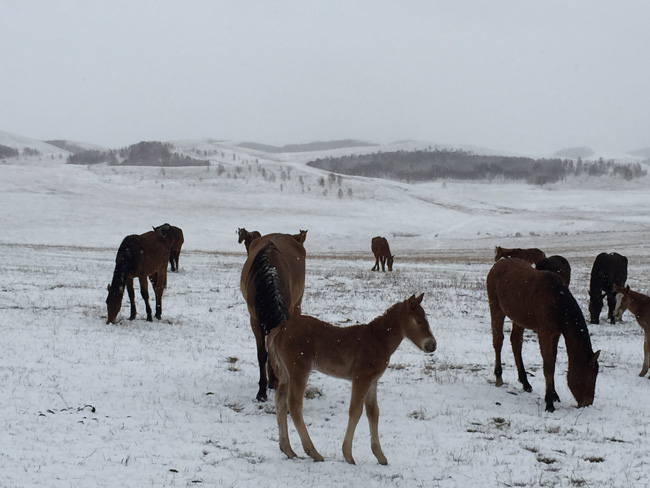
column 611, row 305
column 360, row 388
column 131, row 292
column 372, row 412
column 376, row 266
column 497, row 318
column 646, row 353
column 297, row 384
column 383, row 263
column 158, row 281
column 262, row 359
column 548, row 347
column 144, row 291
column 281, row 409
column 516, row 340
column 171, row 260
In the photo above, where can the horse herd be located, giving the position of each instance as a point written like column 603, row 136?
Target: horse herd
column 523, row 285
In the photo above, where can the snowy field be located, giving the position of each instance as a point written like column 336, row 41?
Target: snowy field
column 171, row 403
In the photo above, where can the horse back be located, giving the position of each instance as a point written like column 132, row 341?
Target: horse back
column 379, row 246
column 608, row 269
column 151, row 253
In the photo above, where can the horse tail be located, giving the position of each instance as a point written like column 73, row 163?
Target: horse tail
column 269, row 303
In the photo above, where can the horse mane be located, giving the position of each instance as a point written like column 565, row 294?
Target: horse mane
column 569, row 311
column 269, row 304
column 125, row 261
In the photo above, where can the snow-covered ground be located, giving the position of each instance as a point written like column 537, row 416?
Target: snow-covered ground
column 171, row 403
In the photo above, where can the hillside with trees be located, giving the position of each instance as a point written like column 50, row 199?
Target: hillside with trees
column 140, row 154
column 434, row 164
column 308, row 147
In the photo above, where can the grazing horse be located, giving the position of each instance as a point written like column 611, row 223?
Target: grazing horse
column 539, row 301
column 639, row 305
column 608, row 270
column 247, row 237
column 381, row 250
column 139, row 256
column 301, row 236
column 272, row 283
column 532, row 255
column 176, row 240
column 558, row 265
column 359, row 353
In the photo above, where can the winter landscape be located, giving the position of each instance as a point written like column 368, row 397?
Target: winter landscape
column 171, row 403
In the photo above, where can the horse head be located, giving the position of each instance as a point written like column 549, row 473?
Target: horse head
column 582, row 381
column 163, row 230
column 113, row 302
column 622, row 300
column 241, row 233
column 389, row 262
column 595, row 306
column 417, row 328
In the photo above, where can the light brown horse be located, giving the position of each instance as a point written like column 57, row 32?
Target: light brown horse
column 272, row 283
column 247, row 237
column 139, row 256
column 301, row 236
column 532, row 255
column 380, row 248
column 539, row 301
column 359, row 353
column 176, row 240
column 639, row 305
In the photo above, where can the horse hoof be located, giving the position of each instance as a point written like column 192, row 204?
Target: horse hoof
column 261, row 397
column 528, row 388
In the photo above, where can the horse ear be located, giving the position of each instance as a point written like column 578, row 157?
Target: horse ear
column 108, row 288
column 418, row 300
column 627, row 288
column 595, row 357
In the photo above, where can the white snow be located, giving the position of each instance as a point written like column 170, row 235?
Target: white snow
column 171, row 403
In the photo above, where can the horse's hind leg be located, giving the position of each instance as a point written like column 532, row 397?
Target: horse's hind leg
column 646, row 353
column 516, row 340
column 262, row 359
column 372, row 412
column 172, row 264
column 159, row 281
column 144, row 291
column 360, row 388
column 297, row 385
column 131, row 292
column 497, row 319
column 548, row 347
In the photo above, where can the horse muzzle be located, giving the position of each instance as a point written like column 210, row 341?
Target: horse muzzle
column 429, row 345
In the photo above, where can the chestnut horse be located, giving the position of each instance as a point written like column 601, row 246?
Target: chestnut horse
column 247, row 237
column 176, row 240
column 532, row 255
column 639, row 305
column 301, row 236
column 359, row 353
column 558, row 265
column 381, row 250
column 609, row 269
column 139, row 256
column 272, row 283
column 539, row 301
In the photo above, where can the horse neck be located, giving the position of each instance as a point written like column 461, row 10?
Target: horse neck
column 577, row 340
column 637, row 302
column 122, row 268
column 388, row 328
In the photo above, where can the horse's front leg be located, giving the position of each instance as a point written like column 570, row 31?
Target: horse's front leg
column 131, row 292
column 611, row 305
column 298, row 374
column 372, row 412
column 548, row 347
column 360, row 388
column 376, row 266
column 516, row 340
column 383, row 264
column 144, row 291
column 646, row 352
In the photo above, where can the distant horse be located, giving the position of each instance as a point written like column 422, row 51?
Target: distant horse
column 558, row 265
column 247, row 237
column 272, row 283
column 381, row 250
column 539, row 301
column 139, row 256
column 532, row 255
column 639, row 305
column 608, row 270
column 301, row 236
column 176, row 240
column 359, row 353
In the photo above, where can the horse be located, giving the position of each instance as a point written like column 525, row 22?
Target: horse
column 540, row 301
column 176, row 240
column 557, row 264
column 639, row 305
column 532, row 255
column 247, row 237
column 608, row 270
column 139, row 256
column 381, row 250
column 301, row 236
column 272, row 284
column 359, row 353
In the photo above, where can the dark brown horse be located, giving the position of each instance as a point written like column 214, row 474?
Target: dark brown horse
column 532, row 255
column 359, row 353
column 609, row 269
column 139, row 256
column 247, row 237
column 558, row 265
column 301, row 236
column 639, row 305
column 539, row 301
column 272, row 283
column 176, row 240
column 381, row 250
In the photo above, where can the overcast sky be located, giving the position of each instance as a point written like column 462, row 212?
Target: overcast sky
column 527, row 76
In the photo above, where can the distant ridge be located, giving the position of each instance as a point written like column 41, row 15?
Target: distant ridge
column 307, row 147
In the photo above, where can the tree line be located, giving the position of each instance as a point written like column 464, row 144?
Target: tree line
column 434, row 164
column 151, row 153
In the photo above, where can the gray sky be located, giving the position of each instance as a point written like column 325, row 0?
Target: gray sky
column 528, row 76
